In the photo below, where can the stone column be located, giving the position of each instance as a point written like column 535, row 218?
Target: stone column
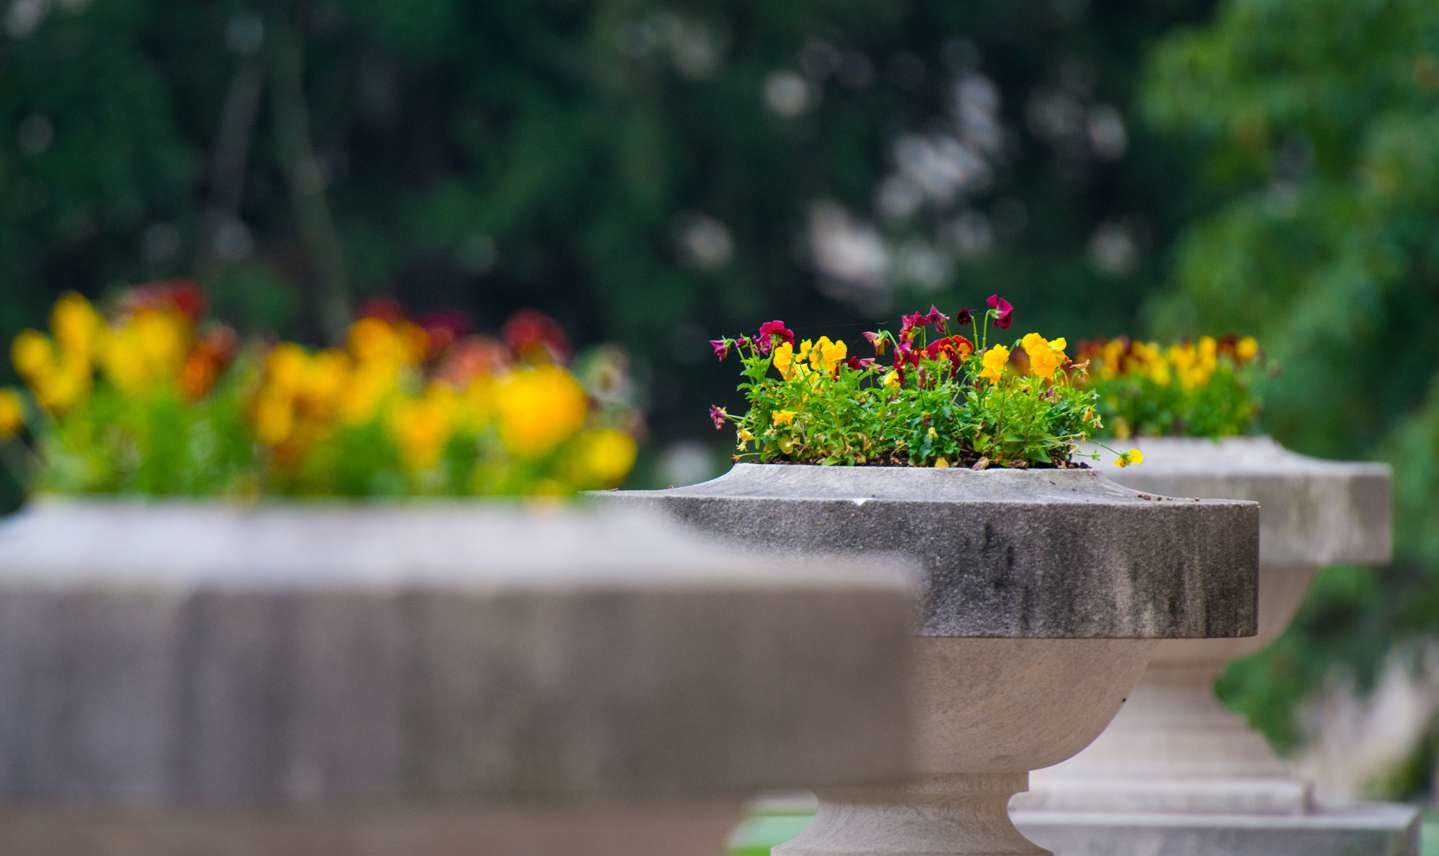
column 1045, row 593
column 1178, row 773
column 466, row 679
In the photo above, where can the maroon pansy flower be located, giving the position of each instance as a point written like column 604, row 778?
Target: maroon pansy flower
column 721, row 348
column 963, row 318
column 1003, row 311
column 770, row 329
column 718, row 416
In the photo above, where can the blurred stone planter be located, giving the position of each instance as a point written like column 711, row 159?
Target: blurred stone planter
column 437, row 678
column 1174, row 751
column 1045, row 593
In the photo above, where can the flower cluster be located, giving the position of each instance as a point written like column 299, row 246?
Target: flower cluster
column 1198, row 388
column 935, row 393
column 154, row 399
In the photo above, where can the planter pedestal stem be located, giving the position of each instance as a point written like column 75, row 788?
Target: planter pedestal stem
column 1177, row 773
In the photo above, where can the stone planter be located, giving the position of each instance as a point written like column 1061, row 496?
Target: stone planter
column 1045, row 594
column 443, row 679
column 1174, row 750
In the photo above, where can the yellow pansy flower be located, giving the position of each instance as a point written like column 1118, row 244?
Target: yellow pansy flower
column 825, row 356
column 1129, row 458
column 783, row 359
column 993, row 363
column 782, row 417
column 1045, row 355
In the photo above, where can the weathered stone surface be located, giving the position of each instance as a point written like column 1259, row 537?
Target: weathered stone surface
column 1174, row 748
column 988, row 711
column 1314, row 512
column 1007, row 553
column 1338, row 830
column 176, row 657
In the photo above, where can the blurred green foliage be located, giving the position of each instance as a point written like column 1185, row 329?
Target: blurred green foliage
column 1318, row 123
column 644, row 171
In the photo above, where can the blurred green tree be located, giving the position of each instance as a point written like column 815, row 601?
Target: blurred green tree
column 647, row 171
column 1319, row 126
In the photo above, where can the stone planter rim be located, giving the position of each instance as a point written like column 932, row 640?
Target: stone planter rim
column 998, row 564
column 1314, row 511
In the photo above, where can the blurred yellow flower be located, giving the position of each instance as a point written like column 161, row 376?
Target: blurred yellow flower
column 285, row 367
column 147, row 348
column 423, row 426
column 274, row 418
column 369, row 386
column 993, row 363
column 1247, row 348
column 539, row 408
column 607, row 456
column 32, row 353
column 324, row 378
column 374, row 340
column 782, row 417
column 76, row 325
column 12, row 413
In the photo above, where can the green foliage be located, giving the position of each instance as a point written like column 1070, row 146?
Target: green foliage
column 942, row 403
column 155, row 443
column 1316, row 121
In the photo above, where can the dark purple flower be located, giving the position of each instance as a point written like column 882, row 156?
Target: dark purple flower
column 859, row 364
column 963, row 318
column 718, row 416
column 1003, row 311
column 721, row 348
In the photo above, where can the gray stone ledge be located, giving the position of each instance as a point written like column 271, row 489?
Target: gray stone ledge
column 1313, row 512
column 199, row 656
column 1006, row 553
column 1361, row 829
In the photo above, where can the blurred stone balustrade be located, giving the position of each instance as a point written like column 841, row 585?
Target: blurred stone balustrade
column 437, row 678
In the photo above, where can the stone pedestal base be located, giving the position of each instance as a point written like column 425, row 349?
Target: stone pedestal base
column 1368, row 829
column 958, row 815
